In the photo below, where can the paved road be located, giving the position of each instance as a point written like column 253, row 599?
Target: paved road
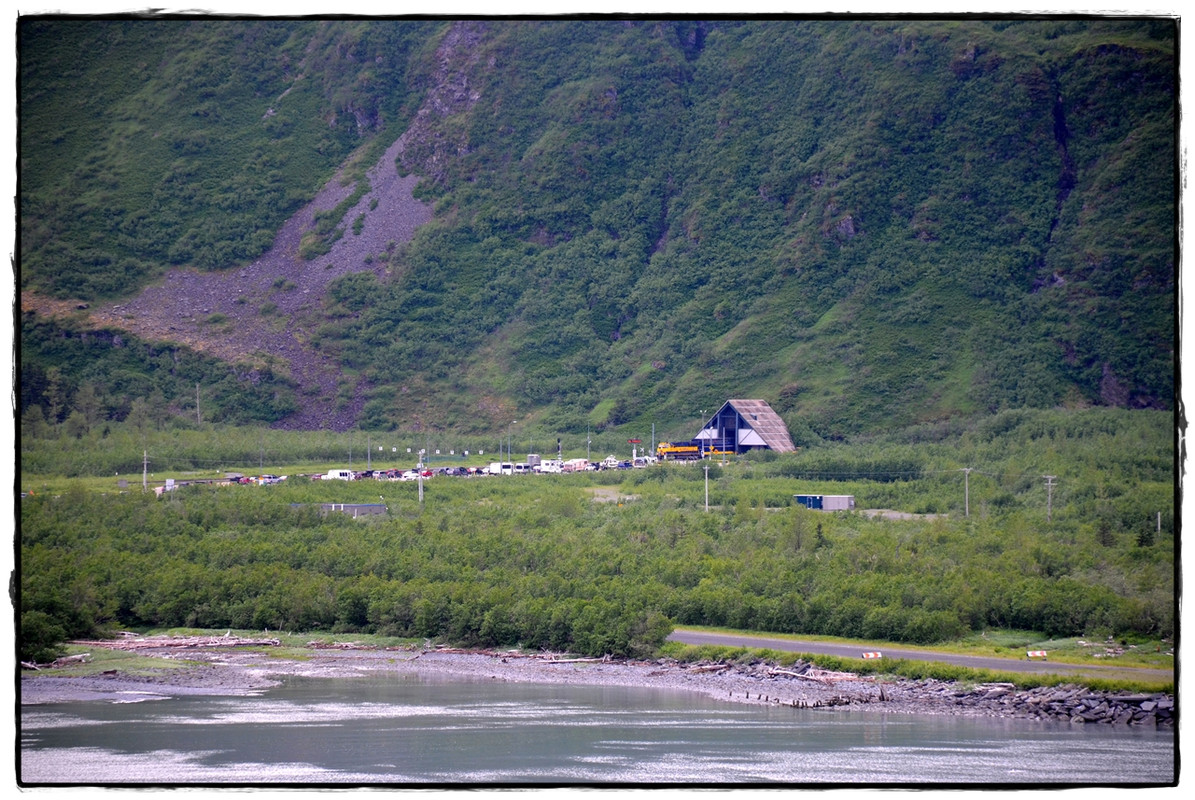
column 856, row 651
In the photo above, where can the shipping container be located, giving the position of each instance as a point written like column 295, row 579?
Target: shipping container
column 826, row 502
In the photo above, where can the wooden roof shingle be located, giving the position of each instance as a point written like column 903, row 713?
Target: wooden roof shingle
column 766, row 422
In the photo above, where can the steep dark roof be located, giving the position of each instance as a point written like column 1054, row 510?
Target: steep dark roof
column 766, row 422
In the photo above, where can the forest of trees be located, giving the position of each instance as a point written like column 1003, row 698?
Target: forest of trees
column 538, row 562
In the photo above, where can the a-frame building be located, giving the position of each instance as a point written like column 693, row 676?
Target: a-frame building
column 742, row 425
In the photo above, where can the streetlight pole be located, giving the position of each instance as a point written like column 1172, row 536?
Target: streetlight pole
column 421, row 452
column 707, row 487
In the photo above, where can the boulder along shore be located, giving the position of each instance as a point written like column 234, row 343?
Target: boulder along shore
column 223, row 666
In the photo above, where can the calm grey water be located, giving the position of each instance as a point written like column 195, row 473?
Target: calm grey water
column 416, row 731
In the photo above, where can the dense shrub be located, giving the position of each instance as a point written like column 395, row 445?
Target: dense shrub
column 538, row 562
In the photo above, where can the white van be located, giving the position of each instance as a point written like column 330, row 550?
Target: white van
column 339, row 475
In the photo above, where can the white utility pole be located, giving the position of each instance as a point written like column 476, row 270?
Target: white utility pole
column 1049, row 496
column 967, row 491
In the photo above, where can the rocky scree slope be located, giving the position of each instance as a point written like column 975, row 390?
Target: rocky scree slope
column 263, row 313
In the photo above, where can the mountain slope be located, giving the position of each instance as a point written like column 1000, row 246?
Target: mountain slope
column 871, row 223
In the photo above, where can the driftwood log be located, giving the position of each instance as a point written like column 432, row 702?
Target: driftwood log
column 819, row 675
column 81, row 658
column 151, row 642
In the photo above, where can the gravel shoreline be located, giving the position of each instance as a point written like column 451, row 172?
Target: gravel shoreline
column 232, row 670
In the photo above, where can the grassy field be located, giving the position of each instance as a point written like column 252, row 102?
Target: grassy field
column 1147, row 653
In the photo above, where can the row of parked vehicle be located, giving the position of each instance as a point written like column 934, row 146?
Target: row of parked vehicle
column 260, row 480
column 533, row 465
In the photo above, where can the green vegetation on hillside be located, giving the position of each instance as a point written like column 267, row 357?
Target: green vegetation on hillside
column 74, row 381
column 151, row 143
column 871, row 223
